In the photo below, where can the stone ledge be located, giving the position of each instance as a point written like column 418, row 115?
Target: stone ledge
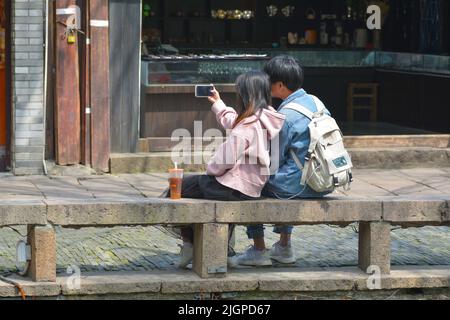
column 23, row 213
column 428, row 210
column 107, row 283
column 415, row 211
column 31, row 289
column 342, row 210
column 395, row 141
column 362, row 158
column 399, row 158
column 145, row 212
column 238, row 280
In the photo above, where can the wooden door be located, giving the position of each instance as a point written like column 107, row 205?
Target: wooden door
column 99, row 82
column 67, row 93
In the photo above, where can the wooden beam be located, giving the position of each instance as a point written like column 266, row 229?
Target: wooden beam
column 99, row 81
column 67, row 106
column 85, row 89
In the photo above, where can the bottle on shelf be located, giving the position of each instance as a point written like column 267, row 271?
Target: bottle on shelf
column 323, row 32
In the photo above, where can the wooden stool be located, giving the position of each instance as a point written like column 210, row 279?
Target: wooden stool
column 362, row 90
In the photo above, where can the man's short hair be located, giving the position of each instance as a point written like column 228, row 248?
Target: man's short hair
column 285, row 69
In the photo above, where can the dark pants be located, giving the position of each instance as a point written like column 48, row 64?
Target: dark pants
column 207, row 187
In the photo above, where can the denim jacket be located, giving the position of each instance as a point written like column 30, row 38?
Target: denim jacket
column 285, row 183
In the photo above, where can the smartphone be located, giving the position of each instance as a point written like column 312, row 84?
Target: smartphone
column 203, row 91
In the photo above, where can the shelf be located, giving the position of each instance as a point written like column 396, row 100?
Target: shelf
column 186, row 88
column 206, row 19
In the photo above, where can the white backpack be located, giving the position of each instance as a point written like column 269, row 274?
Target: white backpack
column 327, row 163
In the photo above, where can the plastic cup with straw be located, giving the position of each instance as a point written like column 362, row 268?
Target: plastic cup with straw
column 175, row 182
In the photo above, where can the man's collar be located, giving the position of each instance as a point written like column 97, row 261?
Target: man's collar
column 295, row 95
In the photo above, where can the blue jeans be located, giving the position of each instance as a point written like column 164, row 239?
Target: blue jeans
column 207, row 187
column 257, row 230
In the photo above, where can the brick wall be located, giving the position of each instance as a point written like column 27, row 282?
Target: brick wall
column 28, row 86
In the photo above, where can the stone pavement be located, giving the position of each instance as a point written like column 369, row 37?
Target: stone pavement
column 150, row 248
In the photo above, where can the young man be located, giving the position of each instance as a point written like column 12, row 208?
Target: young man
column 286, row 77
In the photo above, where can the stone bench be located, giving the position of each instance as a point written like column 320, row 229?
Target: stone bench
column 211, row 219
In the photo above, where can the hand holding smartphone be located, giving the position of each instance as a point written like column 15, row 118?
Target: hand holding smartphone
column 207, row 91
column 203, row 91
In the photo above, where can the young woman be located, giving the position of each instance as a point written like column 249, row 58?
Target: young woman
column 240, row 167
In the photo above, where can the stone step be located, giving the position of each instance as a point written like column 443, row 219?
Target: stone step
column 242, row 282
column 164, row 144
column 363, row 158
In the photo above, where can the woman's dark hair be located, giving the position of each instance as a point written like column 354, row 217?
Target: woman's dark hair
column 287, row 70
column 253, row 94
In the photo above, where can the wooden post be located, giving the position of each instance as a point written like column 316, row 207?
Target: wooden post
column 210, row 250
column 67, row 95
column 99, row 81
column 86, row 90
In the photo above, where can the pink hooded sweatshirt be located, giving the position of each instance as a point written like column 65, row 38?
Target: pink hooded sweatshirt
column 242, row 162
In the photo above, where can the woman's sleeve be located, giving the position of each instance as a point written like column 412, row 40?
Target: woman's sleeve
column 228, row 154
column 226, row 116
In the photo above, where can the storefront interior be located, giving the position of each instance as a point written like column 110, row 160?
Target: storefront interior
column 206, row 41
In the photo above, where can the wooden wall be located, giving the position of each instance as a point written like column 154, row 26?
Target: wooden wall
column 125, row 35
column 164, row 113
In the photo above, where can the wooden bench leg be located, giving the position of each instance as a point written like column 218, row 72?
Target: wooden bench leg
column 210, row 250
column 43, row 253
column 375, row 246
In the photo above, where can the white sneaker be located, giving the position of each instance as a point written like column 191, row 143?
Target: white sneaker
column 251, row 257
column 282, row 254
column 186, row 255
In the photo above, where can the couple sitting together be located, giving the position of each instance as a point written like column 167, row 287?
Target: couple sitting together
column 240, row 168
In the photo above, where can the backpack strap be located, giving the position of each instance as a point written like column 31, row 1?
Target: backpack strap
column 319, row 104
column 299, row 108
column 304, row 170
column 305, row 111
column 296, row 159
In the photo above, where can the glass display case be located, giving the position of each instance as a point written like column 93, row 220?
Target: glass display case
column 179, row 69
column 225, row 67
column 413, row 62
